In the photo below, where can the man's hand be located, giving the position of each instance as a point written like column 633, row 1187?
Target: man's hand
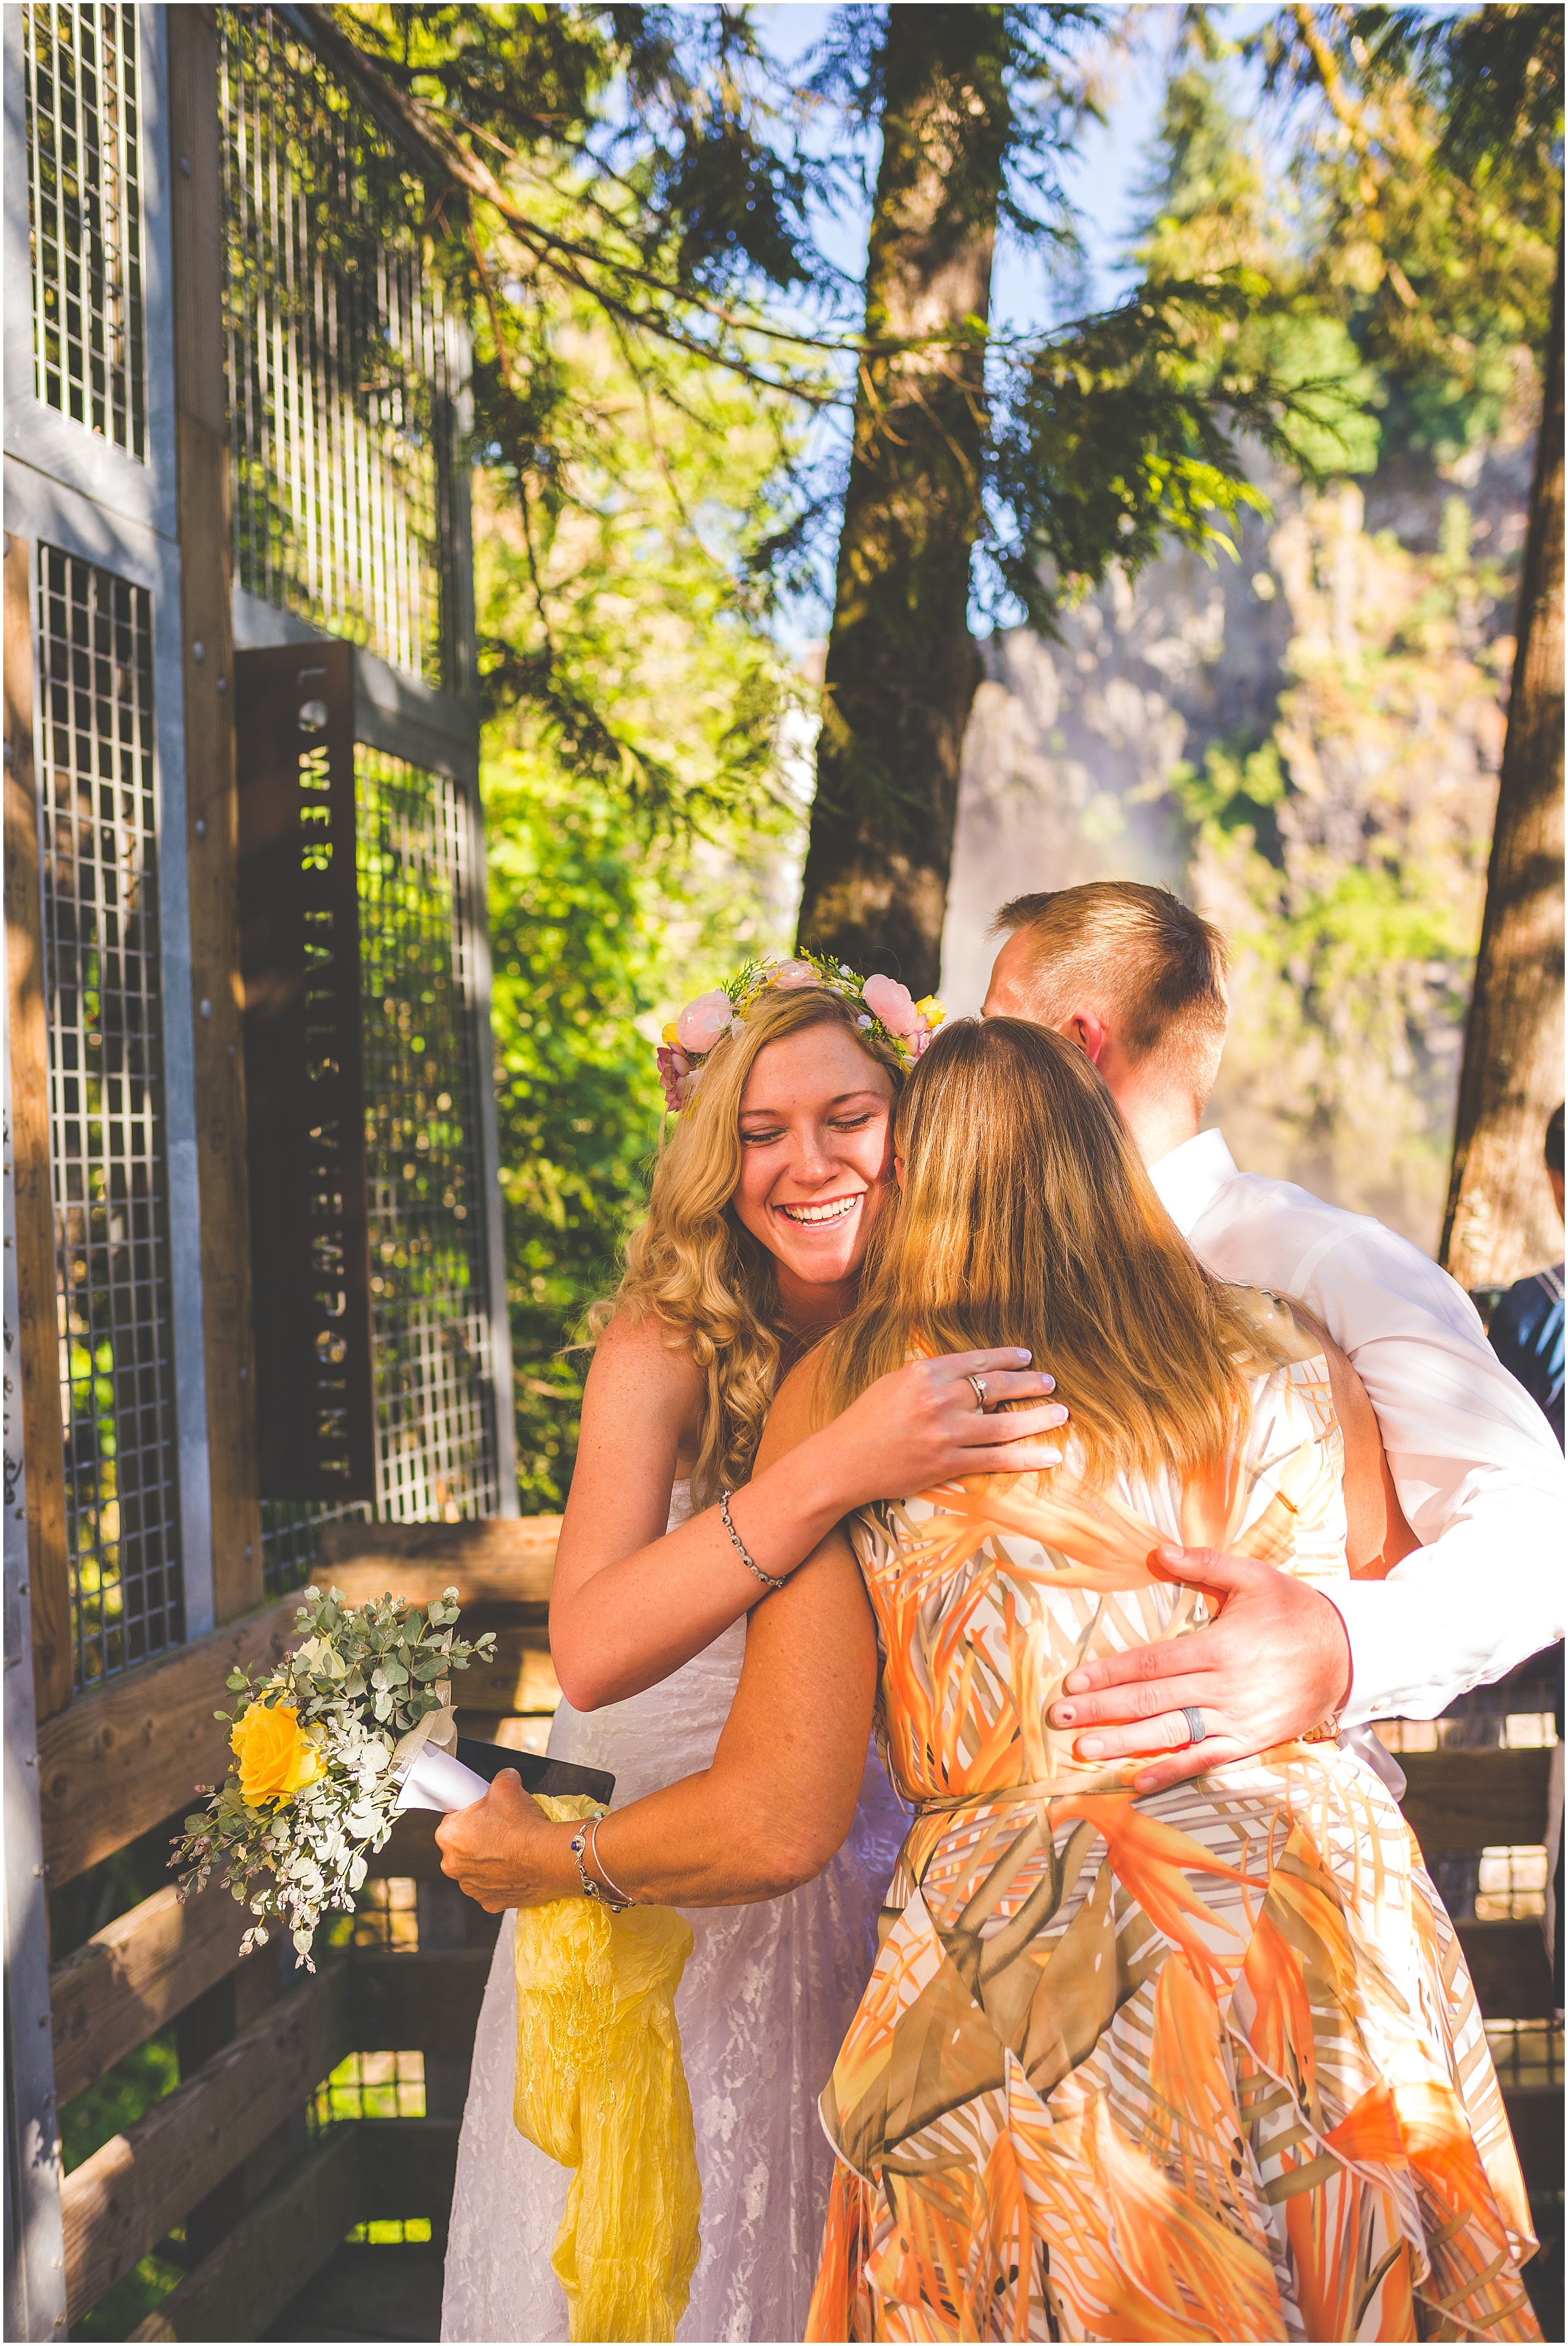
column 504, row 1851
column 1274, row 1665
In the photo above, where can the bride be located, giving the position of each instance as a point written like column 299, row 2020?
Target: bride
column 761, row 1207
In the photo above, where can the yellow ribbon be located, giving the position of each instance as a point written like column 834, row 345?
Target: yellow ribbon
column 600, row 2086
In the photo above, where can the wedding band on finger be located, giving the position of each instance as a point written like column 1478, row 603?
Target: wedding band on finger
column 1196, row 1729
column 979, row 1385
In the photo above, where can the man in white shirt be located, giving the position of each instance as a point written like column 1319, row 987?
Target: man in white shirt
column 1138, row 979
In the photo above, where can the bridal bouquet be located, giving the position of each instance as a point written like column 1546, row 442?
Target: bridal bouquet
column 327, row 1747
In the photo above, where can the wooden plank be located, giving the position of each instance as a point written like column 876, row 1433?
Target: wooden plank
column 1536, row 2115
column 48, row 1560
column 134, row 1976
column 125, row 1757
column 202, row 472
column 1460, row 1800
column 386, row 2291
column 407, row 2168
column 498, row 1561
column 1508, row 1968
column 286, row 2238
column 520, row 1681
column 423, row 2003
column 120, row 2203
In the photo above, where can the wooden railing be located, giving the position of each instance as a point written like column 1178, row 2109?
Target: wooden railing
column 228, row 2154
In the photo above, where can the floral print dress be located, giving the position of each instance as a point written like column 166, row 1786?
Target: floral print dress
column 1206, row 2064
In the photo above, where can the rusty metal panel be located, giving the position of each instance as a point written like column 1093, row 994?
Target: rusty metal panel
column 304, row 1072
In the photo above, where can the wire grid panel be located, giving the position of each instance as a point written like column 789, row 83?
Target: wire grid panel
column 84, row 206
column 1526, row 2054
column 339, row 357
column 435, row 1425
column 100, row 918
column 373, row 2086
column 436, row 1449
column 386, row 1915
column 380, row 2085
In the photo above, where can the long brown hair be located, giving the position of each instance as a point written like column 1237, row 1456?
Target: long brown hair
column 692, row 1263
column 1026, row 1218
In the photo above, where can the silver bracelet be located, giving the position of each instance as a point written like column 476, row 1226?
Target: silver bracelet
column 735, row 1542
column 590, row 1887
column 604, row 1870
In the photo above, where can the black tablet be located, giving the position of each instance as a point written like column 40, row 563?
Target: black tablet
column 538, row 1774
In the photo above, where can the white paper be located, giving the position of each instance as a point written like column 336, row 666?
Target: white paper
column 438, row 1780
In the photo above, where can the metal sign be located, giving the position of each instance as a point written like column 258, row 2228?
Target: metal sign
column 304, row 1072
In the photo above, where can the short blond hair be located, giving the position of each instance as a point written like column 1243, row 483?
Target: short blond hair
column 1137, row 957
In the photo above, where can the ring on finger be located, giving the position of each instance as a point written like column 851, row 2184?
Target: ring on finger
column 1196, row 1731
column 979, row 1385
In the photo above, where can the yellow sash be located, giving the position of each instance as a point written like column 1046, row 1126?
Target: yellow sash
column 600, row 2086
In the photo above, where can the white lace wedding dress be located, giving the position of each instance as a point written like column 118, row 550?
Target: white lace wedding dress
column 763, row 2007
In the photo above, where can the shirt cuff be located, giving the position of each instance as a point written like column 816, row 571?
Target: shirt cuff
column 1416, row 1644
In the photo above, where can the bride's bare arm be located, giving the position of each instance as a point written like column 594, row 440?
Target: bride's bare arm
column 779, row 1795
column 631, row 1602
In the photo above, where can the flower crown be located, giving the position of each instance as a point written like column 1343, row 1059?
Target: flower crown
column 886, row 1009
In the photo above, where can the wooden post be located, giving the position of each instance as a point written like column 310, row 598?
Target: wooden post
column 201, row 445
column 48, row 1562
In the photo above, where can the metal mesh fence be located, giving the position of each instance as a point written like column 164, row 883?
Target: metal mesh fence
column 436, row 1433
column 99, row 863
column 84, row 209
column 339, row 359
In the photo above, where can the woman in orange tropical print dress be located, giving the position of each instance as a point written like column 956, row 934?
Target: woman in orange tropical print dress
column 1202, row 2063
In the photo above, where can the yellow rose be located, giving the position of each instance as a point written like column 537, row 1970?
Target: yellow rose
column 669, row 1037
column 932, row 1011
column 276, row 1755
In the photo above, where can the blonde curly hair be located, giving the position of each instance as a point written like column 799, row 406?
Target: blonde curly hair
column 692, row 1264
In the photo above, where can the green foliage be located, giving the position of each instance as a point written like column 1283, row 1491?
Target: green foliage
column 600, row 933
column 1237, row 788
column 1123, row 432
column 1343, row 849
column 1341, row 841
column 1212, row 214
column 1126, row 434
column 121, row 2311
column 123, row 2094
column 632, row 580
column 574, row 956
column 1110, row 436
column 1428, row 175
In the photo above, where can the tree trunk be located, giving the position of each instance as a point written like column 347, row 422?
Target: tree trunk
column 1501, row 1222
column 901, row 669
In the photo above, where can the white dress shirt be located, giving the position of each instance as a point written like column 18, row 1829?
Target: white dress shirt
column 1478, row 1471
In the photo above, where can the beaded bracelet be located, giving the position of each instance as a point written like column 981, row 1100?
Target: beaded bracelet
column 735, row 1542
column 604, row 1870
column 591, row 1889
